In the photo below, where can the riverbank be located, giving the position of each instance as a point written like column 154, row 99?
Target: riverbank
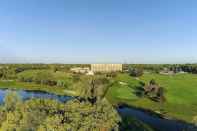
column 154, row 120
column 35, row 87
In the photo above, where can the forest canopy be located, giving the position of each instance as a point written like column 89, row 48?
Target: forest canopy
column 51, row 115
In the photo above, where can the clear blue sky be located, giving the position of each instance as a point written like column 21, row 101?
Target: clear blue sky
column 98, row 31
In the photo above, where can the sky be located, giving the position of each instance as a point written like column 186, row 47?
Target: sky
column 98, row 31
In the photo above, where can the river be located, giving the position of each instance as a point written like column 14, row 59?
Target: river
column 25, row 95
column 158, row 123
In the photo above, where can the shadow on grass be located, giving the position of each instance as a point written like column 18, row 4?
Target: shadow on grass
column 139, row 90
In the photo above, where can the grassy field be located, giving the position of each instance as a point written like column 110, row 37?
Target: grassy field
column 41, row 74
column 181, row 94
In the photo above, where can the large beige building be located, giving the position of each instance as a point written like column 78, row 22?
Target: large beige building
column 106, row 67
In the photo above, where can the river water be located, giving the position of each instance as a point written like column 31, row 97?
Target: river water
column 156, row 122
column 25, row 95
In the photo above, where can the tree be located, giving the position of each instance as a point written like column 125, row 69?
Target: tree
column 136, row 72
column 12, row 122
column 11, row 100
column 1, row 73
column 160, row 95
column 6, row 73
column 92, row 88
column 45, row 78
column 154, row 91
column 3, row 115
column 152, row 82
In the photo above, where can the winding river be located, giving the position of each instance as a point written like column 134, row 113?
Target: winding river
column 156, row 122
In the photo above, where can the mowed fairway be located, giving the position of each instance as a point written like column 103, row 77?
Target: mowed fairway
column 181, row 94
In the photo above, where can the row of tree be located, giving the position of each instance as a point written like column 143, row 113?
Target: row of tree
column 137, row 70
column 43, row 77
column 190, row 68
column 47, row 77
column 10, row 71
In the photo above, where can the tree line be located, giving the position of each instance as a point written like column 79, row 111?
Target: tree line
column 137, row 70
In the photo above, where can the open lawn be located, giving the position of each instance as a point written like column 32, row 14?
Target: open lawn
column 181, row 94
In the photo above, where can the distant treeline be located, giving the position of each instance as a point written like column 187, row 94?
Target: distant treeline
column 9, row 71
column 156, row 68
column 22, row 67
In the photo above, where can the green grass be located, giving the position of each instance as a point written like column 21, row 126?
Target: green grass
column 31, row 74
column 181, row 94
column 35, row 87
column 58, row 75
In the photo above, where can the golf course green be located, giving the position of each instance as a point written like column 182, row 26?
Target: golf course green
column 180, row 93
